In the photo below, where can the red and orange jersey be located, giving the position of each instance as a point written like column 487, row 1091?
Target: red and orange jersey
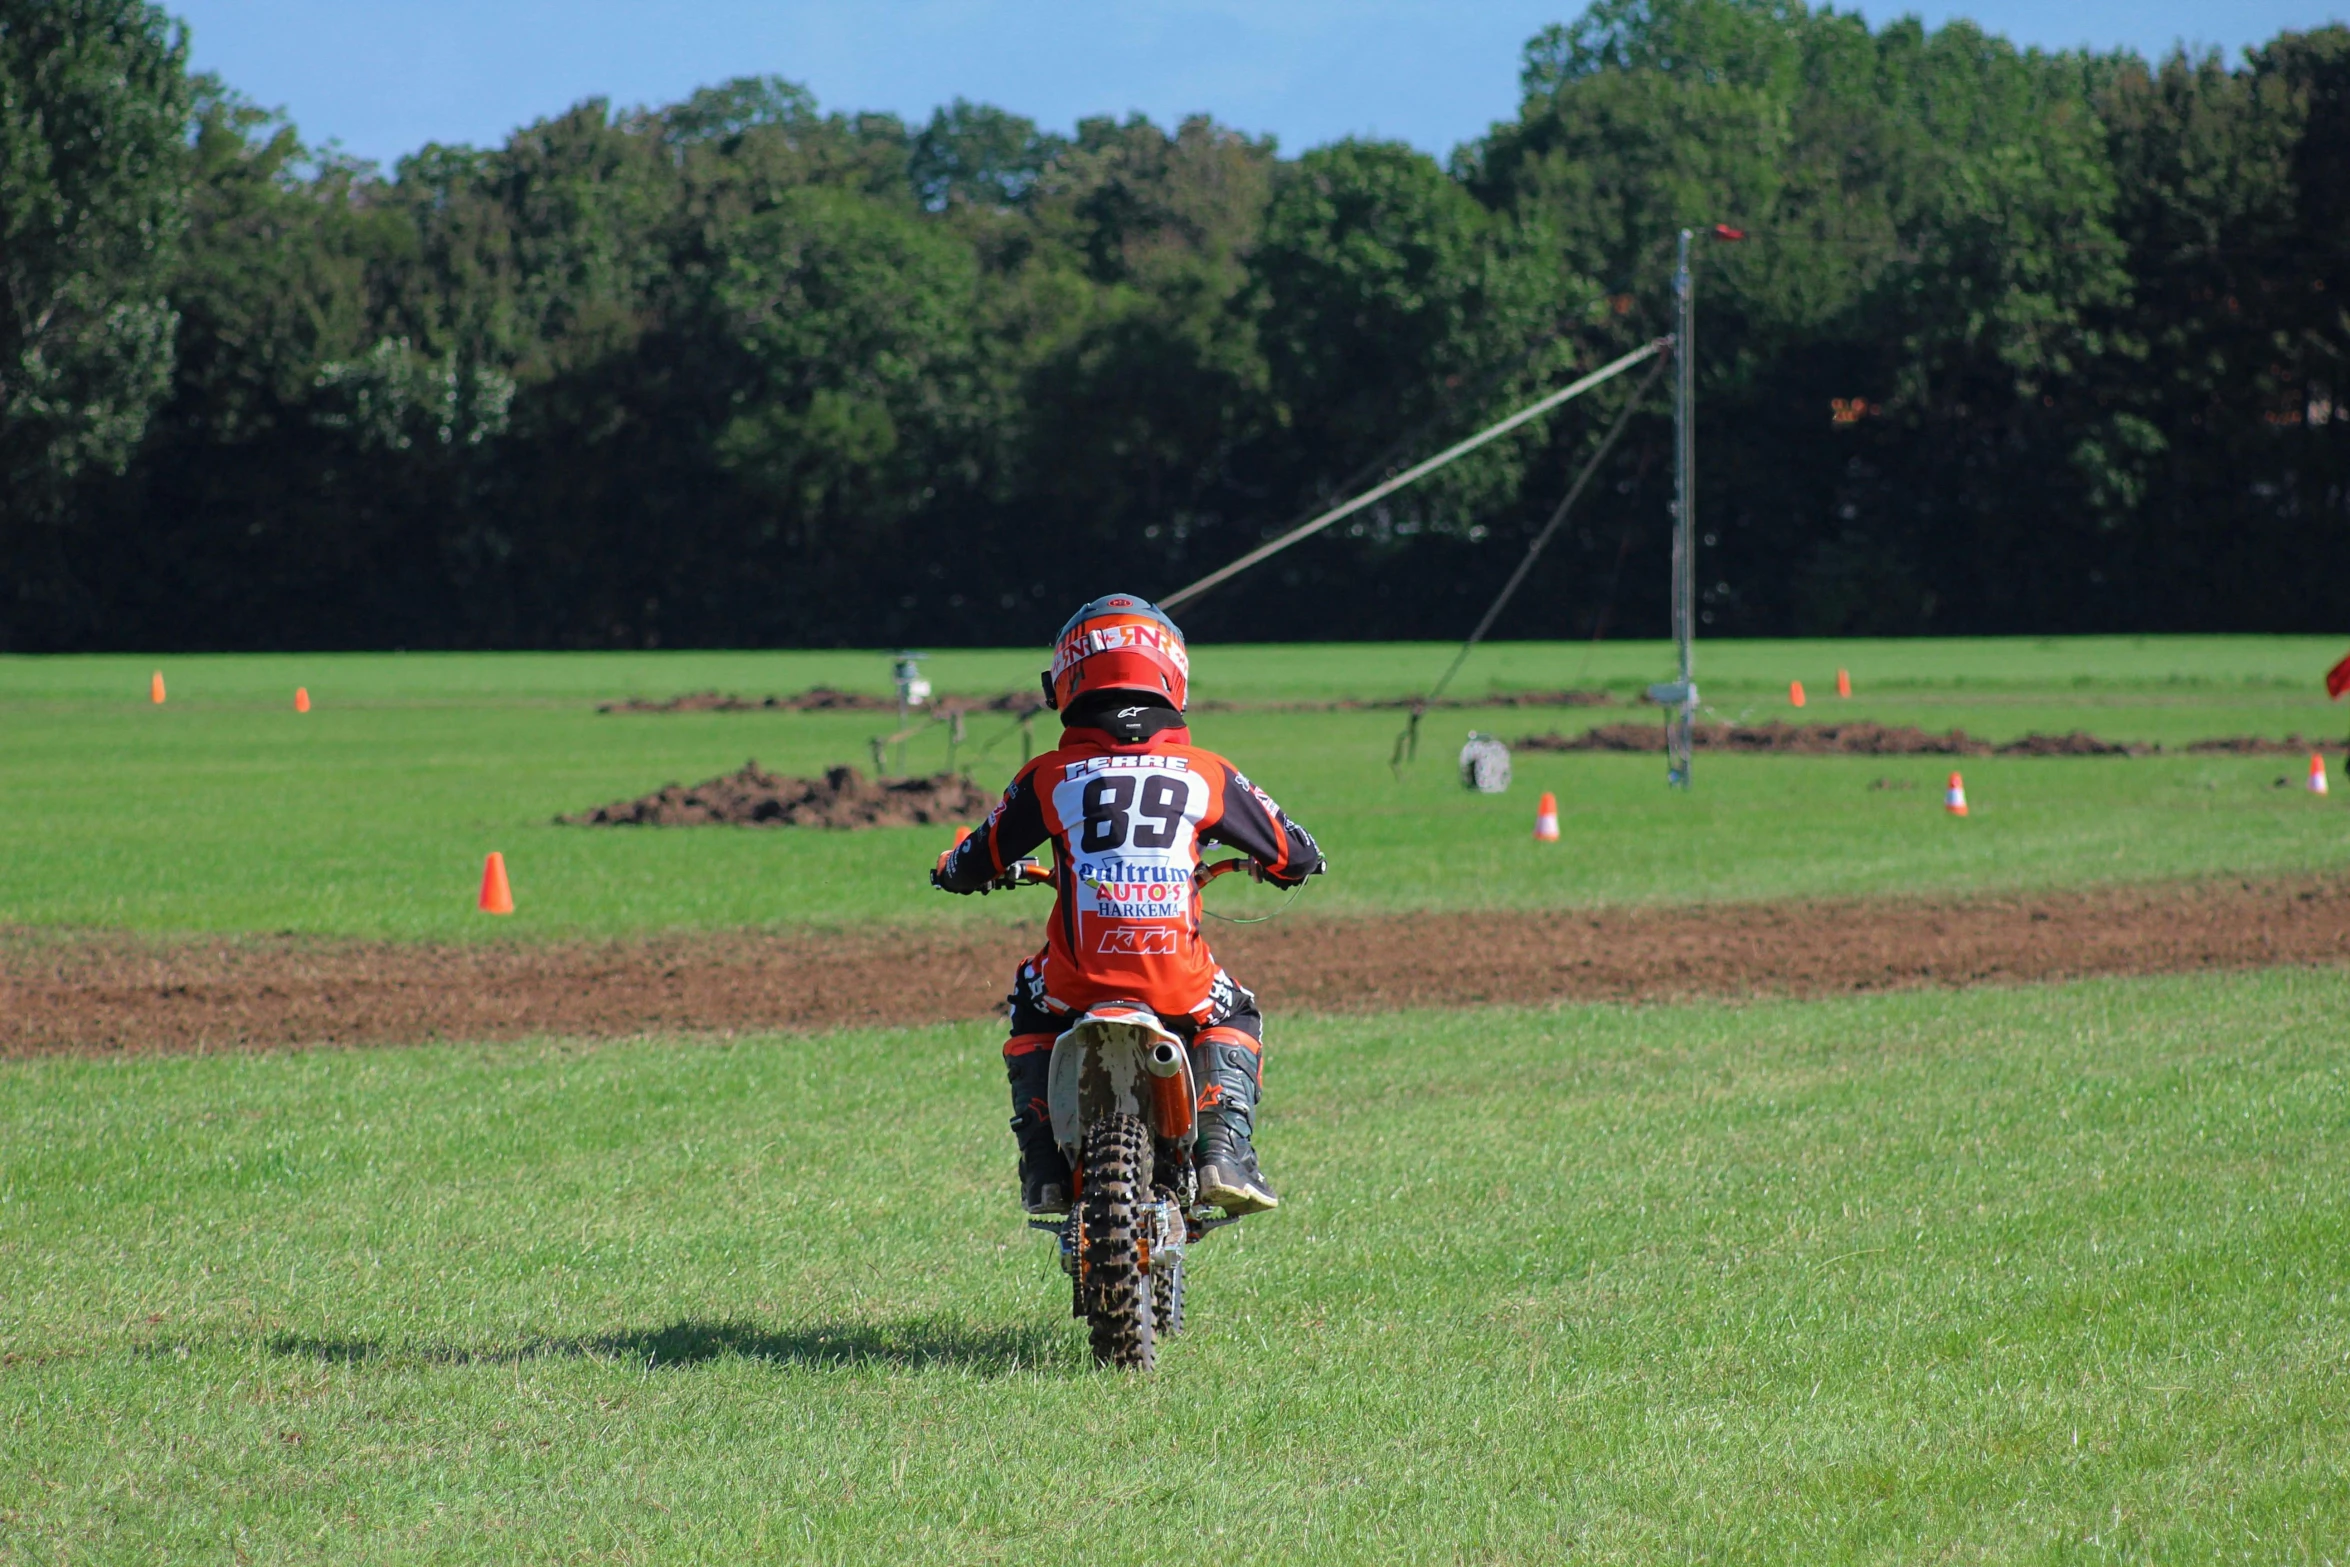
column 1127, row 824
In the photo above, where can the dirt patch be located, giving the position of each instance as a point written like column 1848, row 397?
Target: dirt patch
column 1859, row 739
column 824, row 699
column 1778, row 738
column 123, row 993
column 2075, row 742
column 817, row 699
column 1523, row 699
column 1405, row 703
column 842, row 798
column 2254, row 745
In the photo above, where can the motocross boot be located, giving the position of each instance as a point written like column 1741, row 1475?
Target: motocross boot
column 1229, row 1069
column 1044, row 1169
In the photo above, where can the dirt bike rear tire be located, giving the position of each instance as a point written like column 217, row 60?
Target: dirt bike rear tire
column 1117, row 1155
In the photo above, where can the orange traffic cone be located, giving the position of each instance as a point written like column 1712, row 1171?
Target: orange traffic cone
column 155, row 689
column 1546, row 818
column 2317, row 773
column 1844, row 682
column 1795, row 693
column 301, row 699
column 1955, row 800
column 496, row 896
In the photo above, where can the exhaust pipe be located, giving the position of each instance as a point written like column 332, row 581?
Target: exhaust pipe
column 1170, row 1090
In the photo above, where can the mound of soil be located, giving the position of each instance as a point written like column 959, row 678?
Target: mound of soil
column 843, row 797
column 1857, row 739
column 1870, row 739
column 823, row 699
column 2254, row 745
column 101, row 991
column 817, row 699
column 1001, row 702
column 1405, row 703
column 2077, row 742
column 1511, row 699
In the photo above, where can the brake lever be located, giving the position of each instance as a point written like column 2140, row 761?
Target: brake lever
column 1021, row 873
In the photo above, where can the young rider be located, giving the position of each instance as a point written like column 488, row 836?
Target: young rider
column 1128, row 801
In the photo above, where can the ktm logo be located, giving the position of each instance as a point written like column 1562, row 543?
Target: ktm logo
column 1145, row 941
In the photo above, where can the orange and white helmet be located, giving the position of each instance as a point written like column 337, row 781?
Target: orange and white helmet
column 1119, row 643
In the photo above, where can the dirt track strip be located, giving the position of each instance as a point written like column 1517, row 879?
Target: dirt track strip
column 60, row 993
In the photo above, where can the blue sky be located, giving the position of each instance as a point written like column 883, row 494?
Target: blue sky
column 385, row 77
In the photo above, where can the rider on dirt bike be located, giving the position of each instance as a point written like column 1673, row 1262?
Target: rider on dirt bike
column 1127, row 801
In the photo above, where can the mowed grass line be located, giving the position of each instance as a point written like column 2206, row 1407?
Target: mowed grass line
column 2046, row 1274
column 224, row 811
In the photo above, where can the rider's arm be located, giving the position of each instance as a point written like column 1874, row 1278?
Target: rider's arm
column 1253, row 824
column 1014, row 827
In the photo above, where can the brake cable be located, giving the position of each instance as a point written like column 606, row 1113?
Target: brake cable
column 1235, row 919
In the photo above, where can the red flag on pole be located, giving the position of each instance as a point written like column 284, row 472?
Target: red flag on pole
column 2338, row 679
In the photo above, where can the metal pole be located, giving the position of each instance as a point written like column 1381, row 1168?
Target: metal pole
column 1678, row 739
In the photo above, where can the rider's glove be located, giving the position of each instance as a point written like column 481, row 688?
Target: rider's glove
column 938, row 871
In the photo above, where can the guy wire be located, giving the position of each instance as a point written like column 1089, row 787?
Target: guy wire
column 1407, row 744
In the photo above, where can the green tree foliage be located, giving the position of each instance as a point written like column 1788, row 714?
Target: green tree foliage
column 2014, row 341
column 1930, row 233
column 2221, row 482
column 94, row 102
column 1385, row 290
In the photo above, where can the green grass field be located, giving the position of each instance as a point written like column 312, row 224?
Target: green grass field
column 2046, row 1275
column 369, row 816
column 2052, row 1274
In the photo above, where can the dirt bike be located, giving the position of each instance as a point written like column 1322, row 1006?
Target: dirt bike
column 1121, row 1094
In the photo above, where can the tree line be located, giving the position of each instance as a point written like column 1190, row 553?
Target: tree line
column 2015, row 342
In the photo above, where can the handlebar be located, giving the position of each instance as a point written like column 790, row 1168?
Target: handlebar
column 1032, row 873
column 1024, row 873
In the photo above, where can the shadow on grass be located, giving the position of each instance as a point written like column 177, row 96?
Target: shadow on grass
column 330, row 1351
column 910, row 1344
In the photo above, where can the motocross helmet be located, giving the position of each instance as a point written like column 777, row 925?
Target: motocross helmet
column 1119, row 643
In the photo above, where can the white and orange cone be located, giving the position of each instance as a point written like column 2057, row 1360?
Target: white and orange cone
column 497, row 893
column 1954, row 801
column 1546, row 818
column 2317, row 773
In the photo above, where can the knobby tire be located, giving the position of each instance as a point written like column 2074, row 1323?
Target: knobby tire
column 1117, row 1156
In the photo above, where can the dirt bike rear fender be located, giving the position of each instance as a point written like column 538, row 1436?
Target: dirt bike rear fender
column 1120, row 1057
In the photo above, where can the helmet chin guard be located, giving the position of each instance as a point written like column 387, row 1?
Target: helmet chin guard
column 1123, row 643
